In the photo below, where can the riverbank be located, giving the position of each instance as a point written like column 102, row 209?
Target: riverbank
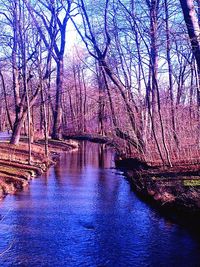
column 176, row 188
column 83, row 211
column 15, row 171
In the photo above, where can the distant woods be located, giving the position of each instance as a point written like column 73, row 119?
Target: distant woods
column 133, row 75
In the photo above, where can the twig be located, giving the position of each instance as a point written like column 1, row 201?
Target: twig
column 7, row 249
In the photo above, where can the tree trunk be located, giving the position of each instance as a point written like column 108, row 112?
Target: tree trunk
column 57, row 124
column 168, row 48
column 139, row 139
column 193, row 29
column 17, row 129
column 6, row 101
column 154, row 50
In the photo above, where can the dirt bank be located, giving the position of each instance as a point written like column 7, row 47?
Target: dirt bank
column 15, row 172
column 177, row 187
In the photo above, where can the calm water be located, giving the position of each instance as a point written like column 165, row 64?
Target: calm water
column 83, row 213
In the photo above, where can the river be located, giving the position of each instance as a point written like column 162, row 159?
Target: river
column 84, row 213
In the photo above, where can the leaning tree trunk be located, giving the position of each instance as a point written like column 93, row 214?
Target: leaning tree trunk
column 19, row 122
column 193, row 29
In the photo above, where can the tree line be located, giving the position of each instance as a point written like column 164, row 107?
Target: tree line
column 135, row 75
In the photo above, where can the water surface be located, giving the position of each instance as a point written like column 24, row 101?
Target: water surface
column 84, row 213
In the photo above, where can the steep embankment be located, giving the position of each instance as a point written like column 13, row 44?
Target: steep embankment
column 15, row 172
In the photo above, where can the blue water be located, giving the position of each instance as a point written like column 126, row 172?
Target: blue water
column 84, row 213
column 5, row 136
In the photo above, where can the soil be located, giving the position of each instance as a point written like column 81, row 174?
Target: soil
column 177, row 187
column 15, row 171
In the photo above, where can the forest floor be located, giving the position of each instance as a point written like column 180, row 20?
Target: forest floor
column 15, row 171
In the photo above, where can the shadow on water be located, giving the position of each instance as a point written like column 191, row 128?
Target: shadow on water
column 84, row 213
column 186, row 219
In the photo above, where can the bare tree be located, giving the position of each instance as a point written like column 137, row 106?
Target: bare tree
column 55, row 25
